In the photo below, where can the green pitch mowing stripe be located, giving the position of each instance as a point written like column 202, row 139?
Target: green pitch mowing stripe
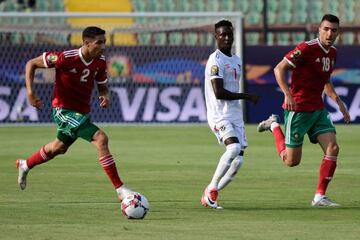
column 71, row 197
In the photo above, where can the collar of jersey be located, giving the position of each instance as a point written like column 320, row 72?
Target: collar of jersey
column 326, row 51
column 83, row 60
column 224, row 54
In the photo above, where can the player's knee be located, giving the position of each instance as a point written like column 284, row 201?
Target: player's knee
column 238, row 161
column 291, row 162
column 57, row 150
column 233, row 149
column 101, row 139
column 63, row 150
column 333, row 149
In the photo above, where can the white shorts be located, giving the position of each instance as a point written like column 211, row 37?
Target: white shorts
column 225, row 129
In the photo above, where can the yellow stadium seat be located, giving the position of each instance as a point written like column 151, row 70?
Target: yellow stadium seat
column 108, row 24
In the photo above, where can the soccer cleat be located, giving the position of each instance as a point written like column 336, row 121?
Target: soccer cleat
column 266, row 124
column 23, row 171
column 209, row 199
column 324, row 201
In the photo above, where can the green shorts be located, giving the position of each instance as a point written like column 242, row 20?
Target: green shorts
column 297, row 124
column 72, row 125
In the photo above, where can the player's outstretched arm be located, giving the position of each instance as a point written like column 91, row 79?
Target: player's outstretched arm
column 330, row 91
column 104, row 96
column 30, row 68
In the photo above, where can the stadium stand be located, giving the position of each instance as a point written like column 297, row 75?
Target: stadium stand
column 108, row 24
column 297, row 13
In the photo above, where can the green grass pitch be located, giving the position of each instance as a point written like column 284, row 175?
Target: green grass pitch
column 71, row 197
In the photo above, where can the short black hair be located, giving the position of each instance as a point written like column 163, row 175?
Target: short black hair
column 223, row 23
column 92, row 32
column 330, row 18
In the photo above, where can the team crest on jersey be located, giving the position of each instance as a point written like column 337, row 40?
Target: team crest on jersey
column 214, row 70
column 51, row 58
column 295, row 55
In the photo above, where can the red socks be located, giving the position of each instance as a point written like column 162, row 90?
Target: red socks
column 107, row 162
column 109, row 166
column 37, row 158
column 327, row 170
column 279, row 141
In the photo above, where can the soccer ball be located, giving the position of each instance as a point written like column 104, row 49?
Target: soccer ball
column 134, row 206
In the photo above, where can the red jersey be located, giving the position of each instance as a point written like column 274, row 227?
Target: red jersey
column 74, row 78
column 313, row 65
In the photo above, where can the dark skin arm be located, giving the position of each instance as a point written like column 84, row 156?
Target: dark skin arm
column 222, row 94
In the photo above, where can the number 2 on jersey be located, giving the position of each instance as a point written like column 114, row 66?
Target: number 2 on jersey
column 85, row 73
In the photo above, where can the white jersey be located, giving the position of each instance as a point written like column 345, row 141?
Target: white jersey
column 229, row 69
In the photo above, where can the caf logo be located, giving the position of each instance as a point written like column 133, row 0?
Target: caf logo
column 52, row 58
column 295, row 55
column 214, row 70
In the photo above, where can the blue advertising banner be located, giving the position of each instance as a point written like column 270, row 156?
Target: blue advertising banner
column 271, row 99
column 261, row 60
column 130, row 103
column 154, row 84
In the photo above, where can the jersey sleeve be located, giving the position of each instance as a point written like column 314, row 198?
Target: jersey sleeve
column 296, row 55
column 216, row 68
column 53, row 59
column 101, row 75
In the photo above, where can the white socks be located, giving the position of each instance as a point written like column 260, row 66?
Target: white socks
column 274, row 125
column 317, row 197
column 232, row 151
column 231, row 172
column 123, row 191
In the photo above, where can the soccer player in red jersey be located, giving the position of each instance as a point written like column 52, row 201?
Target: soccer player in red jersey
column 311, row 63
column 77, row 71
